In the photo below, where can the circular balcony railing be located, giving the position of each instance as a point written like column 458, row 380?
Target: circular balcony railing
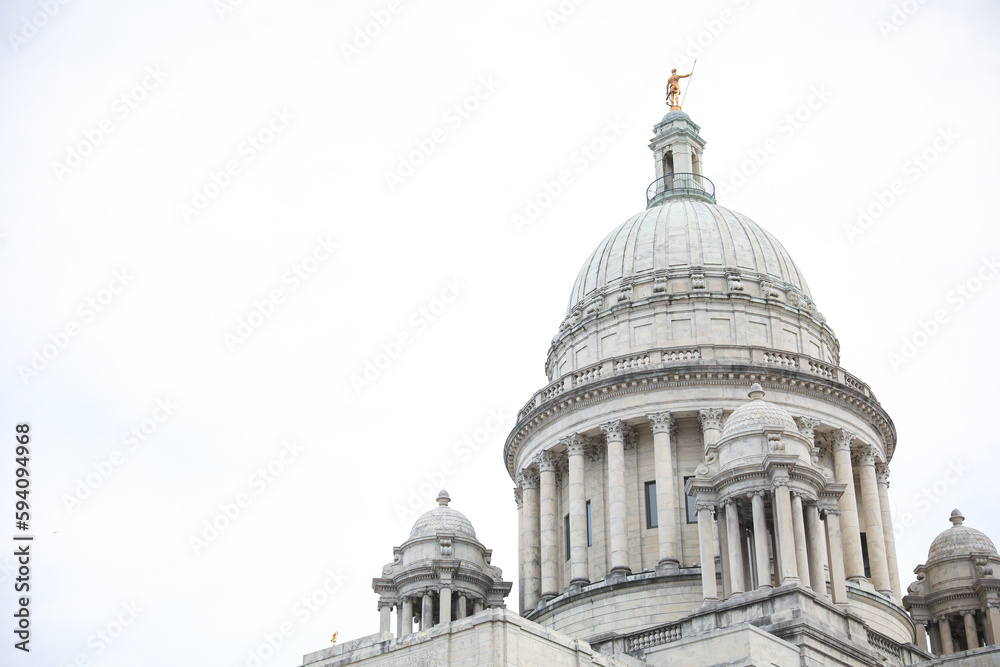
column 678, row 184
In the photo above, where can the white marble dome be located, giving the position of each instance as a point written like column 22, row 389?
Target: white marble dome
column 680, row 234
column 442, row 519
column 959, row 540
column 757, row 414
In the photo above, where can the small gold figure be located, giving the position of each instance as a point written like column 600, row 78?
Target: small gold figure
column 333, row 639
column 674, row 89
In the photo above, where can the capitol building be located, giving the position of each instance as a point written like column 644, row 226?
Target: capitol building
column 699, row 482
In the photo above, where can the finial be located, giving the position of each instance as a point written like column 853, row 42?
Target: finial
column 674, row 89
column 956, row 518
column 756, row 392
column 443, row 498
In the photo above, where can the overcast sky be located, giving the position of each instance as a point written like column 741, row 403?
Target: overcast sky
column 215, row 215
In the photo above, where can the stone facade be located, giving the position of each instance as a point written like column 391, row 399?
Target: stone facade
column 698, row 483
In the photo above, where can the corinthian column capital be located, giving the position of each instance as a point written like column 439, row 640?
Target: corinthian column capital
column 867, row 455
column 882, row 473
column 807, row 426
column 842, row 439
column 661, row 422
column 547, row 461
column 528, row 478
column 615, row 431
column 574, row 444
column 710, row 418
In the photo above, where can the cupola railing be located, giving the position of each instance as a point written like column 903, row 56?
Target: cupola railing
column 679, row 184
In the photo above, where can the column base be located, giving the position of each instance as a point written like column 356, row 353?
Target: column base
column 791, row 581
column 618, row 575
column 576, row 586
column 668, row 567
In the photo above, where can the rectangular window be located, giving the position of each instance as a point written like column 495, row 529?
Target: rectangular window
column 590, row 534
column 864, row 555
column 651, row 519
column 567, row 537
column 690, row 505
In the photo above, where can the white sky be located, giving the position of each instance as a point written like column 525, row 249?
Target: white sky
column 162, row 336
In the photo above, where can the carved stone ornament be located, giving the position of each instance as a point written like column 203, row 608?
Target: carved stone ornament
column 660, row 422
column 615, row 430
column 774, row 439
column 518, row 497
column 867, row 455
column 710, row 418
column 807, row 426
column 574, row 444
column 767, row 289
column 734, row 282
column 842, row 439
column 625, row 294
column 882, row 473
column 446, row 548
column 546, row 461
column 528, row 478
column 697, row 280
column 659, row 286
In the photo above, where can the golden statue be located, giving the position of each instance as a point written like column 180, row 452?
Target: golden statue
column 674, row 89
column 333, row 639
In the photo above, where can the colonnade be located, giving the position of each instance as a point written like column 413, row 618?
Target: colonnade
column 947, row 631
column 430, row 608
column 797, row 534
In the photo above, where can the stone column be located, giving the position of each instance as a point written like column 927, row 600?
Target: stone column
column 873, row 521
column 882, row 473
column 399, row 620
column 407, row 620
column 549, row 522
column 706, row 546
column 835, row 555
column 668, row 531
column 921, row 636
column 614, row 432
column 579, row 569
column 992, row 623
column 427, row 613
column 817, row 551
column 532, row 582
column 384, row 617
column 850, row 528
column 463, row 609
column 786, row 533
column 733, row 534
column 971, row 635
column 444, row 605
column 722, row 525
column 519, row 501
column 935, row 636
column 477, row 606
column 760, row 539
column 799, row 533
column 944, row 629
column 711, row 427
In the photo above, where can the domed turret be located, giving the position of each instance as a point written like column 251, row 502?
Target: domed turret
column 442, row 561
column 957, row 592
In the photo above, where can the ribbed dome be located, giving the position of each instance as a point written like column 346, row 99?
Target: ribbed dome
column 959, row 540
column 757, row 413
column 442, row 519
column 683, row 233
